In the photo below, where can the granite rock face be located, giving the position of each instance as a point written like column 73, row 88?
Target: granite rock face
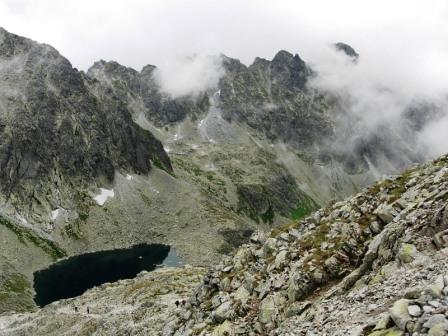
column 141, row 92
column 57, row 124
column 272, row 97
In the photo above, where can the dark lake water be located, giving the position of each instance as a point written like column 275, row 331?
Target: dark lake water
column 73, row 276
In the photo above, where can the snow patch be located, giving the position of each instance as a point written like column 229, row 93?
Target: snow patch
column 129, row 177
column 177, row 136
column 55, row 214
column 23, row 220
column 104, row 195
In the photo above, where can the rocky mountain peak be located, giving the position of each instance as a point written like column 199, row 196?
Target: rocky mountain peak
column 232, row 65
column 148, row 69
column 290, row 70
column 346, row 49
column 260, row 63
column 58, row 122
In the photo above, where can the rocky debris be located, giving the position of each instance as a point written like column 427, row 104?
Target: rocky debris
column 145, row 305
column 426, row 314
column 310, row 276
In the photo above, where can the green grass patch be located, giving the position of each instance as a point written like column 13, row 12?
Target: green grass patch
column 305, row 207
column 25, row 236
column 16, row 283
column 268, row 216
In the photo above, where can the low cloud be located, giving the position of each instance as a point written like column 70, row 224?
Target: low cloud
column 435, row 136
column 189, row 76
column 376, row 92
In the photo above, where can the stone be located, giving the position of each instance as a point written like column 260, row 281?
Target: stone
column 440, row 329
column 434, row 320
column 384, row 322
column 407, row 253
column 224, row 329
column 388, row 332
column 399, row 313
column 242, row 294
column 223, row 312
column 297, row 308
column 269, row 308
column 433, row 303
column 436, row 290
column 414, row 310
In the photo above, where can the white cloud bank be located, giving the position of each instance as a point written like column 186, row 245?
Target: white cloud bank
column 189, row 75
column 376, row 91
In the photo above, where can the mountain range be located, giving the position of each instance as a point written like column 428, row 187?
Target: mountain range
column 109, row 158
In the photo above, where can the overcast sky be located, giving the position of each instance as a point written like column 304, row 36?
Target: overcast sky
column 138, row 32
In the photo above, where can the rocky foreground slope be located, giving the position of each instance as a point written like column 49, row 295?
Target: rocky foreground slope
column 340, row 270
column 374, row 264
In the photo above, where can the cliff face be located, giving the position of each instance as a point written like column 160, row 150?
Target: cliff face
column 269, row 96
column 272, row 97
column 60, row 129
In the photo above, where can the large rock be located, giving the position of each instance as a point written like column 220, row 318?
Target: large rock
column 386, row 212
column 61, row 130
column 269, row 308
column 224, row 329
column 407, row 253
column 223, row 312
column 399, row 313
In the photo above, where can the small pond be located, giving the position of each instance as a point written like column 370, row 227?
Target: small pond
column 73, row 276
